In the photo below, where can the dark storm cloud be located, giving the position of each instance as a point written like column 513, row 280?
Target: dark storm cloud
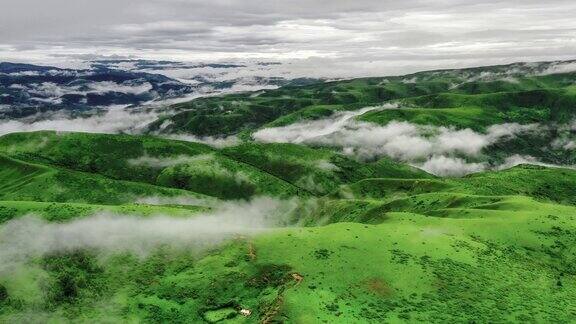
column 388, row 34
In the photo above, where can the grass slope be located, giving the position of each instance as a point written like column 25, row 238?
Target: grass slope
column 60, row 212
column 519, row 92
column 239, row 172
column 30, row 182
column 424, row 249
column 506, row 261
column 482, row 110
column 545, row 184
column 144, row 159
column 380, row 242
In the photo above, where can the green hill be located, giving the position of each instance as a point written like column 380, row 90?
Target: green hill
column 172, row 164
column 475, row 99
column 482, row 110
column 403, row 249
column 546, row 184
column 516, row 92
column 232, row 173
column 23, row 181
column 284, row 232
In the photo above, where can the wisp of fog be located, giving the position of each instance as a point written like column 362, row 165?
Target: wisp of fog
column 29, row 236
column 113, row 120
column 438, row 150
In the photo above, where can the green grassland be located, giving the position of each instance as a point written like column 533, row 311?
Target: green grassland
column 23, row 181
column 370, row 242
column 386, row 243
column 232, row 173
column 546, row 184
column 483, row 95
column 473, row 98
column 59, row 212
column 481, row 110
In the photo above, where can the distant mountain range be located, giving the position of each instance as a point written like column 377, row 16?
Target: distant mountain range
column 27, row 89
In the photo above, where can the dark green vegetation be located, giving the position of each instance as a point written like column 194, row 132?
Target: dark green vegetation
column 377, row 242
column 475, row 98
column 140, row 162
column 469, row 98
column 387, row 242
column 477, row 111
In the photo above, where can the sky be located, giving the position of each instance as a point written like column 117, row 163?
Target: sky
column 317, row 37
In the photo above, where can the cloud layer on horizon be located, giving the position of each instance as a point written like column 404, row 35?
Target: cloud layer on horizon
column 349, row 38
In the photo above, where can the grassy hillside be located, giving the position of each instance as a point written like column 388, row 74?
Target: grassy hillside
column 239, row 172
column 545, row 184
column 476, row 99
column 440, row 256
column 482, row 110
column 59, row 212
column 31, row 182
column 517, row 92
column 389, row 244
column 280, row 232
column 171, row 164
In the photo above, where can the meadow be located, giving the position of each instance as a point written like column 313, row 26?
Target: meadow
column 322, row 236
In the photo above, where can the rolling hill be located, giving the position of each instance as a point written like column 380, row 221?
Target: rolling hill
column 303, row 230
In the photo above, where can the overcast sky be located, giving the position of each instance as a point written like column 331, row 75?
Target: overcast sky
column 335, row 37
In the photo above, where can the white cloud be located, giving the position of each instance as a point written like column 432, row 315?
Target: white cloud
column 326, row 165
column 564, row 143
column 53, row 90
column 114, row 120
column 109, row 86
column 347, row 38
column 217, row 142
column 111, row 233
column 310, row 130
column 450, row 167
column 438, row 150
column 400, row 140
column 517, row 159
column 563, row 67
column 570, row 145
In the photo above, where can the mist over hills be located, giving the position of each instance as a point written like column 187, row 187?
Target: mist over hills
column 27, row 89
column 298, row 162
column 439, row 196
column 471, row 119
